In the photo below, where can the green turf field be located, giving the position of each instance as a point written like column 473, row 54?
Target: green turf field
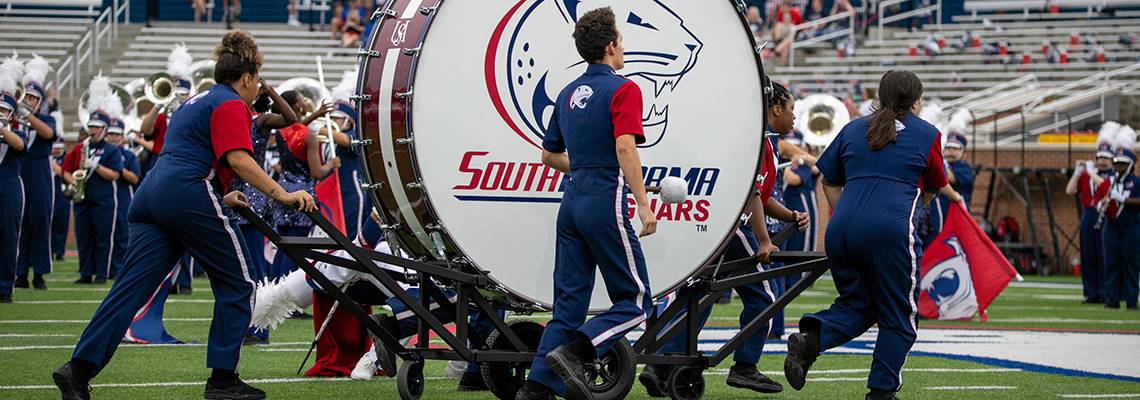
column 38, row 331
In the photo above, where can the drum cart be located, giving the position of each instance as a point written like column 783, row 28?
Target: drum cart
column 508, row 351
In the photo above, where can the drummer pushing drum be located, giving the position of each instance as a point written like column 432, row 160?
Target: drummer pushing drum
column 597, row 118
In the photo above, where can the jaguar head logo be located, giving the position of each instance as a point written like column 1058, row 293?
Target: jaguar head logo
column 531, row 58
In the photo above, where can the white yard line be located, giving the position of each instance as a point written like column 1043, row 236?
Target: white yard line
column 84, row 321
column 174, row 384
column 1101, row 396
column 168, row 301
column 971, row 388
column 55, row 347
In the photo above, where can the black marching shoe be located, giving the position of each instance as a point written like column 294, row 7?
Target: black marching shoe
column 877, row 394
column 100, row 281
column 83, row 281
column 653, row 377
column 251, row 340
column 803, row 348
column 1093, row 300
column 1112, row 305
column 38, row 282
column 385, row 357
column 472, row 382
column 71, row 385
column 534, row 391
column 5, row 298
column 569, row 367
column 747, row 377
column 21, row 282
column 231, row 389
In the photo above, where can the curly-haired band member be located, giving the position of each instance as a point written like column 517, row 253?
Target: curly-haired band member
column 209, row 143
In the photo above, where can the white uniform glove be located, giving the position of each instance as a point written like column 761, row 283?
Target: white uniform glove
column 1118, row 194
column 24, row 111
column 90, row 163
column 1090, row 167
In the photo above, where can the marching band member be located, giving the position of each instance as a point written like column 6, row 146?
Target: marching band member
column 959, row 173
column 747, row 243
column 13, row 143
column 799, row 196
column 1119, row 198
column 35, row 235
column 154, row 123
column 180, row 210
column 95, row 213
column 355, row 202
column 61, row 213
column 128, row 181
column 601, row 127
column 300, row 169
column 1086, row 177
column 875, row 173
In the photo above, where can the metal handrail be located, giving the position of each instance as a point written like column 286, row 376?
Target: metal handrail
column 936, row 8
column 849, row 32
column 989, row 91
column 1105, row 76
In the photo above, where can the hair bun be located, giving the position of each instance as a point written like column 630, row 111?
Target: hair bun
column 237, row 42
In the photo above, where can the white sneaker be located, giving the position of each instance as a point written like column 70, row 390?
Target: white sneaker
column 294, row 22
column 455, row 369
column 365, row 368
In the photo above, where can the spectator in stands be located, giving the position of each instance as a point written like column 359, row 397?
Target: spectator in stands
column 151, row 11
column 293, row 19
column 755, row 22
column 353, row 24
column 199, row 7
column 233, row 12
column 787, row 17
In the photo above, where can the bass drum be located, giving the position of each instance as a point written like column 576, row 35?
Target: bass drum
column 455, row 96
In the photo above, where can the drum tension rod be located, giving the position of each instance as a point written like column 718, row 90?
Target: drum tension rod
column 360, row 97
column 361, row 142
column 372, row 186
column 363, row 52
column 429, row 10
column 413, row 51
column 415, row 185
column 407, row 141
column 384, row 11
column 405, row 95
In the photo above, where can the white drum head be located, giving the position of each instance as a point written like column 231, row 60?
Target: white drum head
column 484, row 82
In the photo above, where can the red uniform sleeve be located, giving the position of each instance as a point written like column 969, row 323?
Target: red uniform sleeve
column 625, row 110
column 230, row 125
column 1084, row 192
column 159, row 133
column 768, row 174
column 935, row 176
column 71, row 159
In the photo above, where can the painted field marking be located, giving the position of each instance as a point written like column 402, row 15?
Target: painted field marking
column 174, row 384
column 1101, row 396
column 69, row 346
column 71, row 302
column 84, row 321
column 971, row 388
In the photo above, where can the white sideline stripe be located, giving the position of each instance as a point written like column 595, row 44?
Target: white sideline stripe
column 909, row 370
column 34, row 335
column 84, row 321
column 1101, row 396
column 168, row 301
column 70, row 346
column 172, row 384
column 971, row 387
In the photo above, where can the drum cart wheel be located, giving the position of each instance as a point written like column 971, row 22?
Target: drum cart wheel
column 611, row 376
column 504, row 379
column 686, row 383
column 410, row 380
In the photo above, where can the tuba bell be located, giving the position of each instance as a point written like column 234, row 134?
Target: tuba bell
column 820, row 117
column 159, row 88
column 202, row 74
column 309, row 88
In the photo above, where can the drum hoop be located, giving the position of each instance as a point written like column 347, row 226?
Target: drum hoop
column 440, row 224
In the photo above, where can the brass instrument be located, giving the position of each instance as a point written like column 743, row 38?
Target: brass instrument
column 159, row 89
column 202, row 75
column 820, row 117
column 77, row 190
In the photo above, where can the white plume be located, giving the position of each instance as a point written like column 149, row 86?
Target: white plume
column 100, row 96
column 959, row 122
column 277, row 301
column 1125, row 137
column 1107, row 133
column 8, row 85
column 931, row 112
column 12, row 68
column 36, row 70
column 346, row 87
column 178, row 62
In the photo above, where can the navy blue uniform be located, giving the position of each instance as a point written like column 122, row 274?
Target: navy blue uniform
column 126, row 195
column 61, row 216
column 1091, row 237
column 11, row 210
column 871, row 242
column 190, row 174
column 35, row 236
column 357, row 205
column 1122, row 244
column 802, row 198
column 963, row 184
column 95, row 216
column 592, row 228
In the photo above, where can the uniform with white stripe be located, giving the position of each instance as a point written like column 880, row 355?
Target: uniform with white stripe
column 96, row 215
column 593, row 230
column 11, row 210
column 188, row 174
column 871, row 241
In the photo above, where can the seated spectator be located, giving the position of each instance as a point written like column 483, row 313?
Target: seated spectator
column 337, row 21
column 755, row 23
column 353, row 26
column 199, row 7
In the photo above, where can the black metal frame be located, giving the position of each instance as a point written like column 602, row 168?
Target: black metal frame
column 703, row 289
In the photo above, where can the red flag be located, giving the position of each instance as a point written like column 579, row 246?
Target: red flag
column 328, row 197
column 962, row 271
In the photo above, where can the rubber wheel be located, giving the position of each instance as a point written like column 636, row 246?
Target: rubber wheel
column 612, row 376
column 410, row 381
column 504, row 379
column 686, row 383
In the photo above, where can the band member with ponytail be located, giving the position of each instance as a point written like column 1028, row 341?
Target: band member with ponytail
column 13, row 144
column 95, row 215
column 301, row 168
column 154, row 123
column 128, row 181
column 875, row 174
column 35, row 234
column 180, row 209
